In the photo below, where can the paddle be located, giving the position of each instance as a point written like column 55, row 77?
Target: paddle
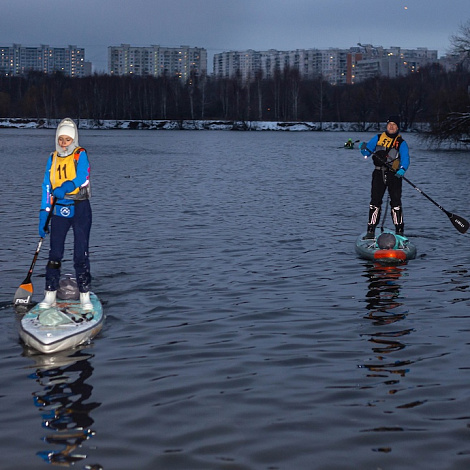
column 459, row 223
column 25, row 291
column 383, row 218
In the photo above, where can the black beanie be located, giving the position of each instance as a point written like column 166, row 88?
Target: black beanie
column 395, row 119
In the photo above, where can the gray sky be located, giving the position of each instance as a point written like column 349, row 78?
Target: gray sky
column 223, row 25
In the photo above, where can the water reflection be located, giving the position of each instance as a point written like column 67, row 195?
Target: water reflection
column 63, row 403
column 383, row 310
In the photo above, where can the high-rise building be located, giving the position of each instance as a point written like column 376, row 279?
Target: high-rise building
column 18, row 60
column 452, row 62
column 157, row 61
column 367, row 61
column 310, row 63
column 336, row 66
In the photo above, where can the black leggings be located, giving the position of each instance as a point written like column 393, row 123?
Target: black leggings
column 381, row 181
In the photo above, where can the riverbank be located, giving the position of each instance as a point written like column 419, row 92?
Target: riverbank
column 19, row 123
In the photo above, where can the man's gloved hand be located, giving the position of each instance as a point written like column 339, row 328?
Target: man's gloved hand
column 364, row 150
column 400, row 172
column 42, row 222
column 63, row 189
column 379, row 158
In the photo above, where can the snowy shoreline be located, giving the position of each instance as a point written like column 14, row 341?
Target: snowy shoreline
column 21, row 123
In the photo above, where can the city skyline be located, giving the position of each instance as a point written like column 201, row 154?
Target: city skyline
column 337, row 66
column 219, row 25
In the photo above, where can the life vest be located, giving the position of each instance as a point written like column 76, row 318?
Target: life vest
column 391, row 145
column 65, row 169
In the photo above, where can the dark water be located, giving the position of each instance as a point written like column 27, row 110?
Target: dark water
column 242, row 332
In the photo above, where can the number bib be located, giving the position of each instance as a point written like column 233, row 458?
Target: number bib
column 63, row 169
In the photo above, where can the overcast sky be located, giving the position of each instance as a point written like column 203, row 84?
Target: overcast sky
column 224, row 25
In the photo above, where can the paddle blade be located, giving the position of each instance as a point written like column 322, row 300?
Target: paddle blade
column 459, row 223
column 23, row 294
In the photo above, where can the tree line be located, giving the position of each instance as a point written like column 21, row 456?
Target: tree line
column 425, row 96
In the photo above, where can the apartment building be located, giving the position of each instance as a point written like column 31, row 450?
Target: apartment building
column 336, row 66
column 311, row 63
column 367, row 61
column 18, row 60
column 157, row 61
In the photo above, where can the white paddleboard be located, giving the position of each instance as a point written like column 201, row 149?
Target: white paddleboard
column 64, row 326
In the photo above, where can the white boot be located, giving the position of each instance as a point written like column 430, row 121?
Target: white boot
column 49, row 299
column 85, row 301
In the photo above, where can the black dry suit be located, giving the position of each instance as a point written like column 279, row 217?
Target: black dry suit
column 386, row 159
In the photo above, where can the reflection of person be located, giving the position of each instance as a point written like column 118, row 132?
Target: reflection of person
column 383, row 310
column 67, row 180
column 66, row 409
column 391, row 158
column 349, row 144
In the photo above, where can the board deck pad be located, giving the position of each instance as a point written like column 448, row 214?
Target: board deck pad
column 64, row 326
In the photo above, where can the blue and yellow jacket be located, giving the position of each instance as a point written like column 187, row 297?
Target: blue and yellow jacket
column 74, row 167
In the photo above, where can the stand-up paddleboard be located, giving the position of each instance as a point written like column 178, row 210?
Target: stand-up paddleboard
column 64, row 326
column 387, row 248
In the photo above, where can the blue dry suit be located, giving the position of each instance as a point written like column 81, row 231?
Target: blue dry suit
column 73, row 210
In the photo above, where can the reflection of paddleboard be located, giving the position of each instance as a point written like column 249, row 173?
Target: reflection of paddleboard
column 64, row 326
column 381, row 250
column 59, row 359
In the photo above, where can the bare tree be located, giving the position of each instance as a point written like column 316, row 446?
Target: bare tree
column 460, row 43
column 454, row 130
column 203, row 92
column 259, row 93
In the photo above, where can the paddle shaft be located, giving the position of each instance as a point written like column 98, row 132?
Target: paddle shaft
column 425, row 195
column 383, row 218
column 38, row 248
column 25, row 291
column 33, row 263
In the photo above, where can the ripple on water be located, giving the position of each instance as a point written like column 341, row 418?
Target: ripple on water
column 242, row 332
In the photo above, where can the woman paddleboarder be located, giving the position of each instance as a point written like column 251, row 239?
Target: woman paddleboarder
column 67, row 180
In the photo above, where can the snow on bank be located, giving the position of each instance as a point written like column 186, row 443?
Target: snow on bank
column 197, row 125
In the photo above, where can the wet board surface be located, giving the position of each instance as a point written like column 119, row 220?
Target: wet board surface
column 61, row 327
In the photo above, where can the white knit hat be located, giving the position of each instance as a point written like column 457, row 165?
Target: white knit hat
column 66, row 129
